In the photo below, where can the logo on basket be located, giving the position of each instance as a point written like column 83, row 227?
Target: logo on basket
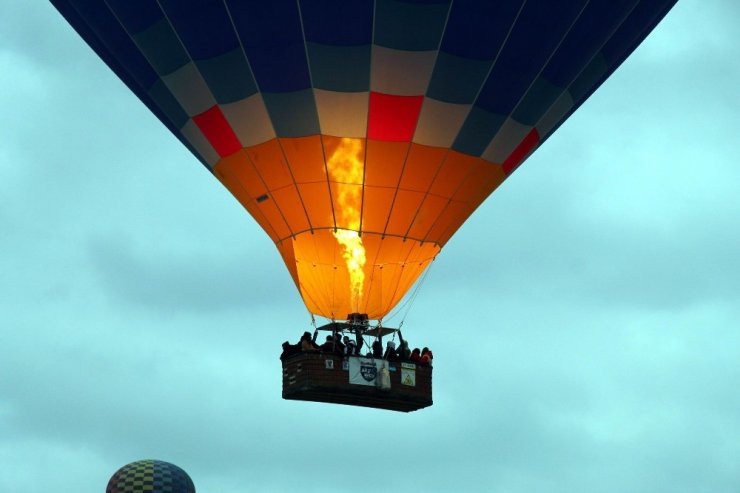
column 368, row 371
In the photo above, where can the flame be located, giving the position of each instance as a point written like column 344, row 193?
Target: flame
column 346, row 170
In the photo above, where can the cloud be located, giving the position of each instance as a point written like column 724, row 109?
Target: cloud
column 583, row 320
column 165, row 278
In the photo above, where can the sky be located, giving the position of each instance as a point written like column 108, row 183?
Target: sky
column 584, row 321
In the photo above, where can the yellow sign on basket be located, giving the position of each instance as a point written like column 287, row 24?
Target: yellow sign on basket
column 408, row 377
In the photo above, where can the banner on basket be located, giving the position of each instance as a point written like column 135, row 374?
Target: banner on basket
column 365, row 371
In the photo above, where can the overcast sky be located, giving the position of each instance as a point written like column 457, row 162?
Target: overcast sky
column 585, row 321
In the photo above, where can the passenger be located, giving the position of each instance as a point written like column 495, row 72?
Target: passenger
column 390, row 351
column 339, row 347
column 415, row 356
column 350, row 347
column 328, row 346
column 377, row 349
column 289, row 350
column 426, row 356
column 307, row 343
column 403, row 352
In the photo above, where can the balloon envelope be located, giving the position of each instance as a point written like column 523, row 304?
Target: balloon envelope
column 361, row 135
column 153, row 476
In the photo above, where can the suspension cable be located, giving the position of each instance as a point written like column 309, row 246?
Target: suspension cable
column 411, row 299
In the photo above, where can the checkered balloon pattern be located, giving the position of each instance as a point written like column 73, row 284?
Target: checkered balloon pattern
column 151, row 476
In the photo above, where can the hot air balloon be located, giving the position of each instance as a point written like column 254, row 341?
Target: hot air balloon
column 361, row 135
column 154, row 476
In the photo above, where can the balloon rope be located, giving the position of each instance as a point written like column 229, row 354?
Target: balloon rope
column 416, row 292
column 398, row 309
column 410, row 300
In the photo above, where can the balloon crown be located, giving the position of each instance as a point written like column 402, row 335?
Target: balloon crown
column 152, row 476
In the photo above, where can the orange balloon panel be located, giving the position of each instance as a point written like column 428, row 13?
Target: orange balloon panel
column 356, row 221
column 316, row 263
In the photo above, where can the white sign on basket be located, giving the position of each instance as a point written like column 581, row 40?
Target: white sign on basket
column 364, row 371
